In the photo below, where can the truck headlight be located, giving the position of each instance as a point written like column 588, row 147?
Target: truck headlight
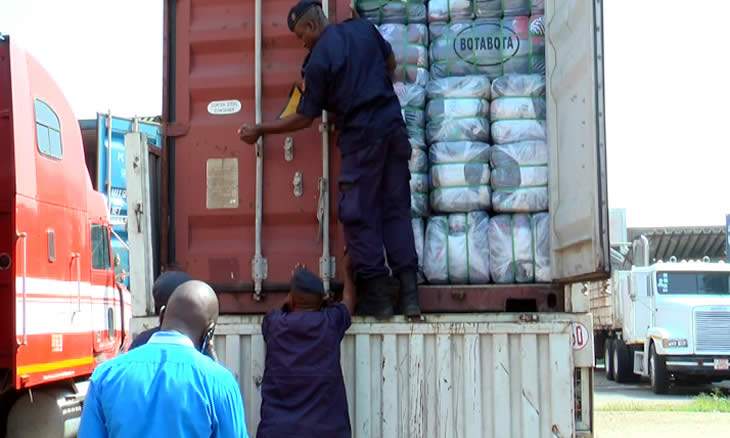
column 674, row 343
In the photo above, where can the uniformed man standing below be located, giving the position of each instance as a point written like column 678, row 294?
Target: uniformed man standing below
column 303, row 391
column 348, row 73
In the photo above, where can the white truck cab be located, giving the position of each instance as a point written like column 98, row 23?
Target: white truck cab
column 675, row 324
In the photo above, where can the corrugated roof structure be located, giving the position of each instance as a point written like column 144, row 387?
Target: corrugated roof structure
column 684, row 243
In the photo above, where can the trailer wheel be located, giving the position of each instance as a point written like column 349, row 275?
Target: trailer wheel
column 623, row 363
column 658, row 372
column 608, row 358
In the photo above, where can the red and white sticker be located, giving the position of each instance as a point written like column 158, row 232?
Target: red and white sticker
column 580, row 336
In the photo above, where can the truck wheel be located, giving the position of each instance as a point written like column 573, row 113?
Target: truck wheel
column 608, row 358
column 623, row 364
column 658, row 372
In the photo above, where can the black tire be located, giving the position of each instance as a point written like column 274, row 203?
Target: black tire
column 608, row 358
column 623, row 363
column 658, row 372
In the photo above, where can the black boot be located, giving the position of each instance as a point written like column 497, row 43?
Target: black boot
column 375, row 301
column 408, row 297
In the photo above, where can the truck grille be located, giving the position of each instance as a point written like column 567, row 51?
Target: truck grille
column 713, row 331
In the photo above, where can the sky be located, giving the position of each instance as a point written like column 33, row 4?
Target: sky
column 666, row 95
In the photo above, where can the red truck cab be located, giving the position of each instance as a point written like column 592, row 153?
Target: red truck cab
column 62, row 311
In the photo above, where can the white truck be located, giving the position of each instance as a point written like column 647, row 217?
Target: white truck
column 671, row 323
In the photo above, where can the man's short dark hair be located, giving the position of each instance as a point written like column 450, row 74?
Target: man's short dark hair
column 165, row 285
column 299, row 10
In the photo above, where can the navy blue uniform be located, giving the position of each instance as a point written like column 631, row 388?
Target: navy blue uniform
column 143, row 337
column 346, row 74
column 303, row 392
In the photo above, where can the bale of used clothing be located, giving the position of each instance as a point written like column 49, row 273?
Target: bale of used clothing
column 518, row 108
column 448, row 10
column 456, row 249
column 458, row 109
column 412, row 102
column 410, row 48
column 520, row 85
column 419, row 236
column 392, row 11
column 490, row 46
column 418, row 165
column 519, row 248
column 512, row 131
column 398, row 34
column 509, row 108
column 519, row 177
column 459, row 176
column 476, row 86
column 507, row 8
column 457, row 119
column 417, row 142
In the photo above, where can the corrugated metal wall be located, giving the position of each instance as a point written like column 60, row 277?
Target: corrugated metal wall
column 453, row 376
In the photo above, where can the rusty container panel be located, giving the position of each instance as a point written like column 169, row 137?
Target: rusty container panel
column 210, row 66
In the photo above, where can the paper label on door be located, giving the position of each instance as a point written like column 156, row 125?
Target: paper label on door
column 221, row 183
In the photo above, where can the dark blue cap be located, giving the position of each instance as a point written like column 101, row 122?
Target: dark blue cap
column 306, row 282
column 165, row 285
column 296, row 12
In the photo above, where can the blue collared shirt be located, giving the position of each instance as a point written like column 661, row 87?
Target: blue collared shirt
column 165, row 388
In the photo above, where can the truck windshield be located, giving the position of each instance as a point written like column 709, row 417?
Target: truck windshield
column 695, row 283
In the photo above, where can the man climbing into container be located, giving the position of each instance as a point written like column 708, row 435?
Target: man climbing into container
column 303, row 391
column 348, row 73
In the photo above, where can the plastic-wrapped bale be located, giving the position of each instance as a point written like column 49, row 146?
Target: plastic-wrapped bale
column 456, row 249
column 458, row 109
column 418, row 165
column 518, row 108
column 417, row 141
column 490, row 46
column 519, row 248
column 459, row 176
column 448, row 10
column 511, row 85
column 519, row 177
column 392, row 11
column 412, row 101
column 419, row 236
column 410, row 48
column 507, row 8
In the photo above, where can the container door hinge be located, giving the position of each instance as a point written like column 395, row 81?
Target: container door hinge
column 260, row 270
column 327, row 267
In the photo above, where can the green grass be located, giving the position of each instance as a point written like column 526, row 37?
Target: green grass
column 712, row 402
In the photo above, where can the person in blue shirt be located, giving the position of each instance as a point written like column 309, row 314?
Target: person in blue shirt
column 349, row 73
column 303, row 392
column 164, row 286
column 168, row 387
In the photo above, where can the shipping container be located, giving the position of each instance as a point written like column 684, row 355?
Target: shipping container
column 241, row 217
column 103, row 161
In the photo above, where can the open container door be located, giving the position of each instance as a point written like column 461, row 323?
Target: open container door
column 576, row 134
